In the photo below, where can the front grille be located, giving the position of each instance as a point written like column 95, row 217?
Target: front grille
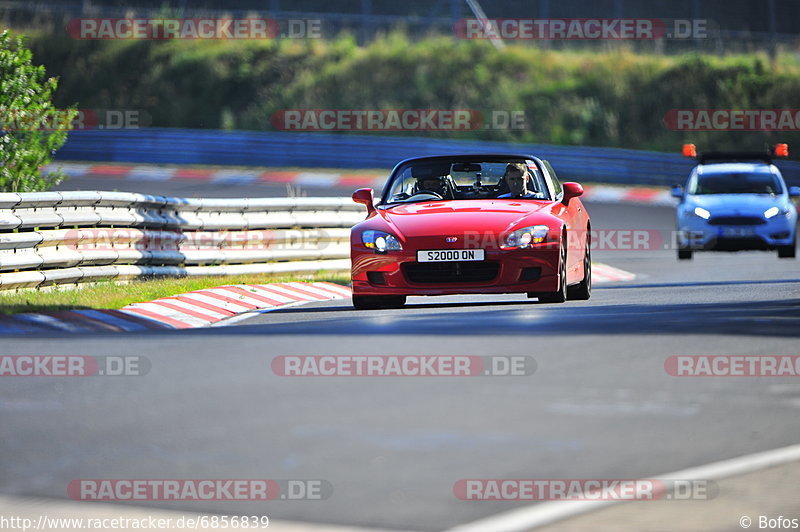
column 450, row 272
column 737, row 220
column 739, row 243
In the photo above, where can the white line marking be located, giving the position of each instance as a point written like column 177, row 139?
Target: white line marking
column 289, row 290
column 272, row 294
column 316, row 179
column 531, row 517
column 190, row 306
column 150, row 173
column 233, row 294
column 325, row 293
column 160, row 310
column 253, row 313
column 333, row 287
column 227, row 305
column 602, row 273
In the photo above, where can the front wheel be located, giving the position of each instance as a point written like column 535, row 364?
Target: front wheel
column 583, row 290
column 378, row 302
column 684, row 254
column 560, row 295
column 787, row 252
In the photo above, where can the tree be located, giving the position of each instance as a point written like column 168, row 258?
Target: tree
column 31, row 128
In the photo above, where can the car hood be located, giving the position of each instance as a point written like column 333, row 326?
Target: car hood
column 453, row 217
column 748, row 204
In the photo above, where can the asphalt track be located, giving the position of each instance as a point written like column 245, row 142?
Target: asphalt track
column 600, row 404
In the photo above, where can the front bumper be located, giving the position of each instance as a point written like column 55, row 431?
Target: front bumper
column 697, row 233
column 399, row 273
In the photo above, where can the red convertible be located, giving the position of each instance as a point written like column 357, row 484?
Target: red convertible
column 471, row 224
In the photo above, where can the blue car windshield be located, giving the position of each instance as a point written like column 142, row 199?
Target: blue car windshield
column 736, row 183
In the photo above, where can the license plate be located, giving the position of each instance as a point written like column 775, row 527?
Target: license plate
column 449, row 255
column 737, row 231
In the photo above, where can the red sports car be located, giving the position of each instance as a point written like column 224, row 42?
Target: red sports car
column 471, row 224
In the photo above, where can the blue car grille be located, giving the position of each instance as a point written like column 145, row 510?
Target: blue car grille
column 736, row 220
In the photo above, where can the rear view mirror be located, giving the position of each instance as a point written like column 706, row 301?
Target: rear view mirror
column 677, row 191
column 794, row 192
column 466, row 167
column 365, row 196
column 572, row 190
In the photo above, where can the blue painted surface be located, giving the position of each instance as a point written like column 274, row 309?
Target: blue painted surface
column 320, row 150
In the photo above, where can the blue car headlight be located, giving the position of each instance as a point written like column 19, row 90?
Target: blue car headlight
column 381, row 241
column 772, row 212
column 525, row 237
column 702, row 213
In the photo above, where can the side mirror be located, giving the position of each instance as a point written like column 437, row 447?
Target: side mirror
column 677, row 191
column 794, row 192
column 572, row 190
column 366, row 197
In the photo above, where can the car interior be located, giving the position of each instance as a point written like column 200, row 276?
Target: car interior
column 457, row 181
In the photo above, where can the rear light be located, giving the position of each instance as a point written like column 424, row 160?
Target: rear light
column 781, row 150
column 689, row 150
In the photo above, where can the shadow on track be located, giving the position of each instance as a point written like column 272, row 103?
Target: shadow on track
column 753, row 318
column 778, row 317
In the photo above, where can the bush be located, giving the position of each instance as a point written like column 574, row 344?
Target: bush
column 31, row 129
column 614, row 98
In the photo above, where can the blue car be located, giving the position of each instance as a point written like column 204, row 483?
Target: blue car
column 734, row 202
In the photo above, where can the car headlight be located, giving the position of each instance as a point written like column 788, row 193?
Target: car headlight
column 525, row 237
column 772, row 212
column 380, row 241
column 702, row 213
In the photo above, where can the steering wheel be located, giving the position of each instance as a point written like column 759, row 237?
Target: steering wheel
column 428, row 192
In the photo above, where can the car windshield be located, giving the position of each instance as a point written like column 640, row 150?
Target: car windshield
column 737, row 183
column 465, row 180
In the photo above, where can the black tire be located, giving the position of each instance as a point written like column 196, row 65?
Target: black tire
column 583, row 290
column 378, row 302
column 684, row 254
column 787, row 252
column 560, row 295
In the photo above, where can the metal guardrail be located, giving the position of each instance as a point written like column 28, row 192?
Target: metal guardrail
column 54, row 238
column 320, row 150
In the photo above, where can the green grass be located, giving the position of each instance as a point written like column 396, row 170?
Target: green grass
column 108, row 295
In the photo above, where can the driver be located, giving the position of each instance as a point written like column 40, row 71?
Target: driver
column 437, row 184
column 516, row 177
